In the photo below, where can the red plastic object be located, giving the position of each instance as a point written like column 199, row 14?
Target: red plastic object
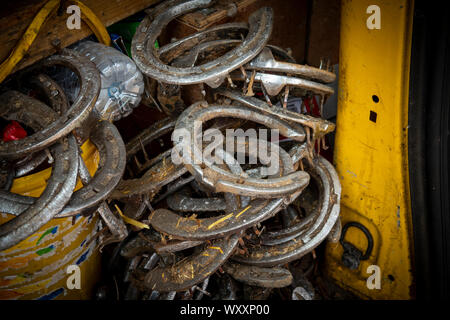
column 13, row 131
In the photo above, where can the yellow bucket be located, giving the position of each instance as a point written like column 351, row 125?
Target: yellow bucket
column 37, row 267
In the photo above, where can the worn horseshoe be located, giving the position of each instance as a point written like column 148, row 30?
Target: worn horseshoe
column 319, row 126
column 55, row 196
column 111, row 167
column 67, row 122
column 188, row 272
column 260, row 277
column 266, row 62
column 212, row 73
column 212, row 174
column 307, row 240
column 174, row 49
column 109, row 144
column 57, row 100
column 193, row 228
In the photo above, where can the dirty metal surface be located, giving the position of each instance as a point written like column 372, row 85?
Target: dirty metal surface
column 192, row 270
column 307, row 239
column 67, row 122
column 257, row 276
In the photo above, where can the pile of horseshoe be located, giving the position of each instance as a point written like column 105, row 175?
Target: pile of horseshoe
column 194, row 229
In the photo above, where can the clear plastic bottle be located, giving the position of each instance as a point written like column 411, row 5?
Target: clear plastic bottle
column 122, row 82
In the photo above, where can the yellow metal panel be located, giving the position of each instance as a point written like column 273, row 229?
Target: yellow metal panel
column 371, row 157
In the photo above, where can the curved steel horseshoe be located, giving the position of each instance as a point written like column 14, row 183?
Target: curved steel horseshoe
column 37, row 115
column 57, row 100
column 267, row 256
column 67, row 122
column 161, row 170
column 190, row 271
column 278, row 184
column 274, row 83
column 193, row 228
column 218, row 178
column 174, row 187
column 190, row 228
column 155, row 131
column 22, row 108
column 55, row 196
column 320, row 127
column 211, row 73
column 325, row 200
column 6, row 174
column 183, row 203
column 109, row 143
column 143, row 243
column 151, row 182
column 55, row 95
column 190, row 59
column 170, row 51
column 266, row 62
column 257, row 276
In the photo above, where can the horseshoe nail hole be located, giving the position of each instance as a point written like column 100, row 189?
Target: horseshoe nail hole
column 373, row 116
column 391, row 277
column 375, row 98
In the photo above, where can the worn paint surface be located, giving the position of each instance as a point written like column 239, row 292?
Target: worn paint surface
column 371, row 150
column 36, row 267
